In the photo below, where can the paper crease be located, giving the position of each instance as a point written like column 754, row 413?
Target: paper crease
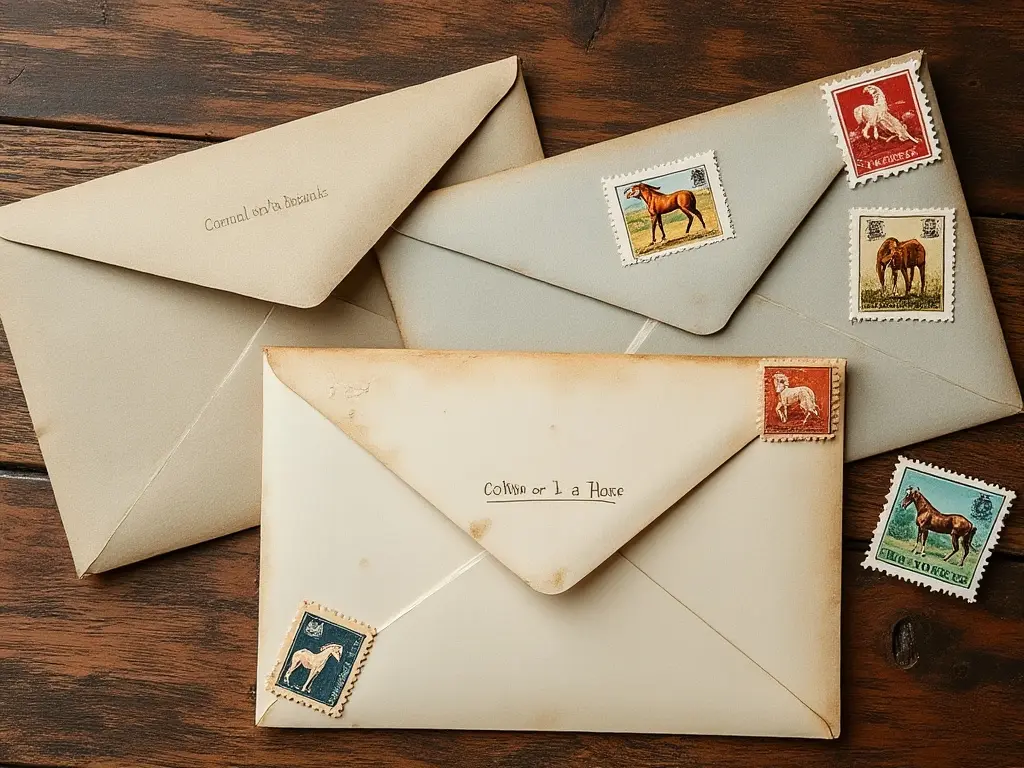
column 882, row 352
column 184, row 436
column 434, row 589
column 426, row 595
column 731, row 643
column 646, row 329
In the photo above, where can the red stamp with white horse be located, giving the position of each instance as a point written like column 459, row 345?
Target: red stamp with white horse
column 883, row 122
column 799, row 402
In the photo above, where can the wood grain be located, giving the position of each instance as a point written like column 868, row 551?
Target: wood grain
column 153, row 665
column 596, row 68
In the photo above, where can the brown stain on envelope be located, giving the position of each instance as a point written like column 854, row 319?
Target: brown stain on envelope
column 558, row 578
column 479, row 528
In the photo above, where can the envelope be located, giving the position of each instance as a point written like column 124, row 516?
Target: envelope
column 533, row 258
column 548, row 542
column 136, row 305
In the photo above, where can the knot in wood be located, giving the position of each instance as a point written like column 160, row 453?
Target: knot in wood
column 904, row 643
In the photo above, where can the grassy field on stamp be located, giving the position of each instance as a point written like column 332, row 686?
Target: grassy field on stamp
column 872, row 300
column 938, row 547
column 638, row 224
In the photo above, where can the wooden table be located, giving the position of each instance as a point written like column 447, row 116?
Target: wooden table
column 154, row 664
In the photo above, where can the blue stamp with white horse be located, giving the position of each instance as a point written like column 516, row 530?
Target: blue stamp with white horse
column 321, row 659
column 938, row 528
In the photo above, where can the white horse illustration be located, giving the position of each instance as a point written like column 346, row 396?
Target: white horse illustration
column 802, row 396
column 314, row 662
column 870, row 116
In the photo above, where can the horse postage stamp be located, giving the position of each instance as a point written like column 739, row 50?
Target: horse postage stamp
column 883, row 122
column 682, row 201
column 799, row 399
column 320, row 659
column 937, row 528
column 915, row 244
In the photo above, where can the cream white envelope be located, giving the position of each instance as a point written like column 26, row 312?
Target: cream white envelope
column 529, row 259
column 692, row 585
column 136, row 305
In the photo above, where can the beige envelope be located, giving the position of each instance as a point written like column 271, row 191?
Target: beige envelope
column 694, row 589
column 136, row 305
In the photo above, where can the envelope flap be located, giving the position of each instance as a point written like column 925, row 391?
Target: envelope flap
column 551, row 462
column 282, row 214
column 756, row 169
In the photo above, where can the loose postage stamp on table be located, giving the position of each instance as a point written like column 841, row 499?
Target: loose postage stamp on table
column 938, row 528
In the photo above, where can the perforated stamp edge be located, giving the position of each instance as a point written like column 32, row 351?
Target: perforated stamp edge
column 948, row 265
column 913, row 66
column 618, row 219
column 320, row 611
column 837, row 366
column 872, row 562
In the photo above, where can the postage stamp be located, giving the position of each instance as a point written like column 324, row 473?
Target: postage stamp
column 937, row 528
column 799, row 399
column 883, row 122
column 320, row 659
column 683, row 202
column 901, row 263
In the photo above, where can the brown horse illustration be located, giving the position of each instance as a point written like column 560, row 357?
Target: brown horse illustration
column 658, row 204
column 959, row 528
column 899, row 257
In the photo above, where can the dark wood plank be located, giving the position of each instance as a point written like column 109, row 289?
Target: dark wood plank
column 153, row 665
column 117, row 670
column 596, row 68
column 38, row 160
column 18, row 444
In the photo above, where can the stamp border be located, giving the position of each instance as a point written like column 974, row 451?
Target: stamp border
column 948, row 266
column 618, row 220
column 837, row 366
column 309, row 606
column 871, row 561
column 914, row 67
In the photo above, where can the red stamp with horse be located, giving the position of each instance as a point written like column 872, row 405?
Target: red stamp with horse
column 882, row 121
column 798, row 401
column 937, row 528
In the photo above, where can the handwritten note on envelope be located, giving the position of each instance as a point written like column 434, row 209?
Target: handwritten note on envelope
column 137, row 304
column 603, row 539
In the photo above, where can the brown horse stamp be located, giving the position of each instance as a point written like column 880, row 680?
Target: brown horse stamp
column 937, row 528
column 901, row 263
column 668, row 208
column 882, row 120
column 799, row 399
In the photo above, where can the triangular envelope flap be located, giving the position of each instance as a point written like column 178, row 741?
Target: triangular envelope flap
column 553, row 221
column 551, row 462
column 282, row 214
